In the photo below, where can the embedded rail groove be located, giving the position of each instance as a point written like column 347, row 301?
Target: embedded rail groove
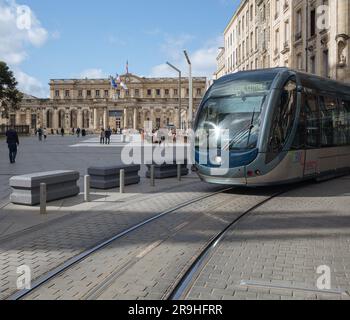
column 186, row 282
column 75, row 260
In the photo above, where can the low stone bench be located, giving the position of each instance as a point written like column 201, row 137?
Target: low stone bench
column 109, row 177
column 166, row 171
column 59, row 185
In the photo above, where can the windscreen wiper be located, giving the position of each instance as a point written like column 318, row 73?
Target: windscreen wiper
column 251, row 128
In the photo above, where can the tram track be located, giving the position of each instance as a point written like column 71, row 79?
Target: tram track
column 189, row 276
column 188, row 271
column 42, row 280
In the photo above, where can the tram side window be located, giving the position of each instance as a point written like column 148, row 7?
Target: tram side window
column 283, row 120
column 311, row 111
column 328, row 114
column 345, row 125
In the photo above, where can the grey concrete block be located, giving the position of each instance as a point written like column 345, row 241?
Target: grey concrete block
column 59, row 184
column 166, row 171
column 109, row 177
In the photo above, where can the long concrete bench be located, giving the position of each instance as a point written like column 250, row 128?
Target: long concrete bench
column 109, row 177
column 59, row 185
column 166, row 171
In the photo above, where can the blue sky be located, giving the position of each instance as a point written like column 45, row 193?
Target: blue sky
column 73, row 39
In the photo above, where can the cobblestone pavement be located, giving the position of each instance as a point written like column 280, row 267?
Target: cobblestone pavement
column 279, row 247
column 47, row 245
column 147, row 263
column 54, row 154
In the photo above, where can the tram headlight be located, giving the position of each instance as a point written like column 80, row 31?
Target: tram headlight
column 218, row 160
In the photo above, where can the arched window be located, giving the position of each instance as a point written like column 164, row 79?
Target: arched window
column 61, row 118
column 74, row 119
column 86, row 119
column 283, row 119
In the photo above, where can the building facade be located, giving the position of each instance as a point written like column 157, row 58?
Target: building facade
column 92, row 104
column 308, row 35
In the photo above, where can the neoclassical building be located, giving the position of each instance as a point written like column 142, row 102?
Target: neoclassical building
column 308, row 35
column 93, row 104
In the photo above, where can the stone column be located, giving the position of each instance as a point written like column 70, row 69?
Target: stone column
column 125, row 117
column 67, row 121
column 152, row 118
column 135, row 118
column 80, row 118
column 95, row 119
column 105, row 119
column 55, row 119
column 28, row 117
column 44, row 122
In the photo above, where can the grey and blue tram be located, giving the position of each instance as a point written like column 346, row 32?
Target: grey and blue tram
column 281, row 126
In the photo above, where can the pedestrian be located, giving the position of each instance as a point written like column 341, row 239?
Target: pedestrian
column 40, row 134
column 13, row 143
column 78, row 132
column 45, row 134
column 108, row 134
column 62, row 132
column 102, row 136
column 83, row 132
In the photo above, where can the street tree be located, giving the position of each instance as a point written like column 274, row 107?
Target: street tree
column 10, row 97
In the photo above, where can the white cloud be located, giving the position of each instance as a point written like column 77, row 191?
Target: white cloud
column 31, row 85
column 92, row 74
column 203, row 60
column 16, row 34
column 20, row 29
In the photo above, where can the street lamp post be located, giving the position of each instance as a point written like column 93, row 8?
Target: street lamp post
column 190, row 83
column 179, row 94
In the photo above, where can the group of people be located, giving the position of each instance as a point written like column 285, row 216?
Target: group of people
column 105, row 136
column 42, row 133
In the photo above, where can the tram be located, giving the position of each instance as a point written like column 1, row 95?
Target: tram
column 272, row 126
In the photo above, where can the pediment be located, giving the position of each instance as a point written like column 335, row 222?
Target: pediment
column 131, row 78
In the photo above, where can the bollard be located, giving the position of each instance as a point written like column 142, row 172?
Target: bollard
column 43, row 198
column 179, row 172
column 152, row 176
column 87, row 189
column 122, row 181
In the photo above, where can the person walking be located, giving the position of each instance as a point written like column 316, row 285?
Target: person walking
column 13, row 143
column 102, row 136
column 62, row 132
column 78, row 133
column 45, row 134
column 40, row 134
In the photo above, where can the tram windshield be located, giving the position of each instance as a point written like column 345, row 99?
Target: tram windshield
column 237, row 108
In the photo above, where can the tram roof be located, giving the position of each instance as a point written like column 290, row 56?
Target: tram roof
column 310, row 80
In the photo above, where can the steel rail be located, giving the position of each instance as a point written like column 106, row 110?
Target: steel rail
column 73, row 261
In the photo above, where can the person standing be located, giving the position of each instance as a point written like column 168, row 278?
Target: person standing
column 102, row 136
column 13, row 143
column 62, row 132
column 78, row 133
column 108, row 135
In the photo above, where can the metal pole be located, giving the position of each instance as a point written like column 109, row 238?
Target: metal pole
column 179, row 94
column 152, row 176
column 122, row 181
column 179, row 172
column 87, row 189
column 43, row 198
column 179, row 111
column 190, row 83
